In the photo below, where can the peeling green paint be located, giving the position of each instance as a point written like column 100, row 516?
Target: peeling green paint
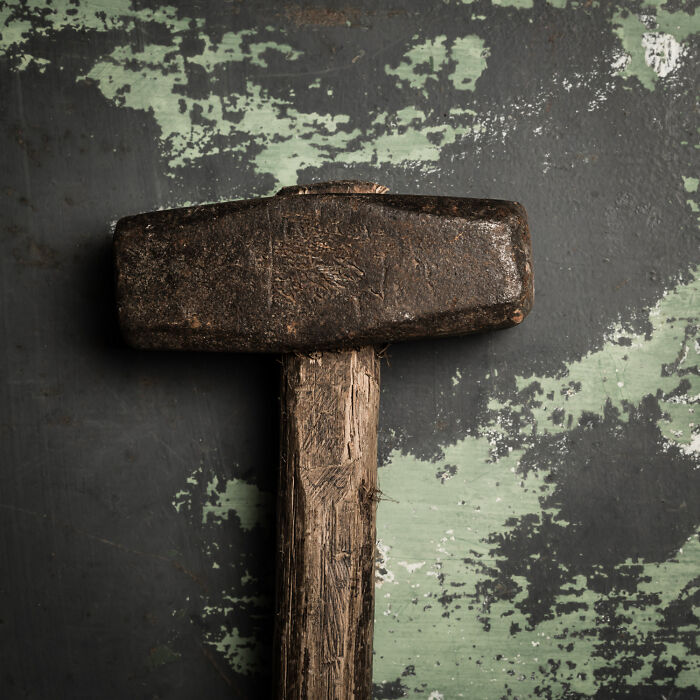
column 691, row 184
column 520, row 4
column 438, row 537
column 284, row 140
column 469, row 54
column 277, row 139
column 620, row 374
column 439, row 551
column 241, row 653
column 23, row 20
column 653, row 42
column 152, row 80
column 421, row 62
column 425, row 61
column 250, row 505
column 210, row 501
column 455, row 654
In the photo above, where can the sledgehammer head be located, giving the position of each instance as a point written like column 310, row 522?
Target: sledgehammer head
column 321, row 271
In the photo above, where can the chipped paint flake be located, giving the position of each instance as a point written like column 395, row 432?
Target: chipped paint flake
column 242, row 653
column 425, row 61
column 469, row 55
column 520, row 4
column 691, row 184
column 421, row 62
column 662, row 52
column 236, row 497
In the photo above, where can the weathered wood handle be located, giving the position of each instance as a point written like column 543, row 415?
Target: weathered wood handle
column 327, row 526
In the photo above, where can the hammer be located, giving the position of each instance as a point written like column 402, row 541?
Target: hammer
column 325, row 279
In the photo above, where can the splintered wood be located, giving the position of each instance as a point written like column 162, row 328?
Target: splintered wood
column 326, row 520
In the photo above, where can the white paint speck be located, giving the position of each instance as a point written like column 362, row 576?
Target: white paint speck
column 620, row 61
column 662, row 52
column 411, row 567
column 694, row 446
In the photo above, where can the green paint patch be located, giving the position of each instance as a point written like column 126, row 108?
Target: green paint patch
column 426, row 528
column 421, row 62
column 154, row 80
column 691, row 184
column 241, row 653
column 469, row 55
column 210, row 502
column 520, row 4
column 236, row 497
column 21, row 21
column 265, row 131
column 620, row 375
column 255, row 128
column 653, row 42
column 427, row 60
column 275, row 137
column 439, row 614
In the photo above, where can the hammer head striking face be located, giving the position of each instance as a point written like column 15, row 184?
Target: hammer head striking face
column 321, row 271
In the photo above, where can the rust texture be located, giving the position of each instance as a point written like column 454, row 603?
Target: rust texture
column 326, row 525
column 322, row 271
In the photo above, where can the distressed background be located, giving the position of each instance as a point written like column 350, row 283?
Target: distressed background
column 539, row 528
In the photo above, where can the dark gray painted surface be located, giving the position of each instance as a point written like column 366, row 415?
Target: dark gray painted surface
column 104, row 583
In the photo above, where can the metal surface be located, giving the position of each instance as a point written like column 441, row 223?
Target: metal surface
column 321, row 271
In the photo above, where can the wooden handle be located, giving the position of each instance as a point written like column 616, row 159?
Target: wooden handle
column 327, row 526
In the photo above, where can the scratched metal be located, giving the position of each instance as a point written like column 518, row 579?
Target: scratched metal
column 539, row 524
column 323, row 271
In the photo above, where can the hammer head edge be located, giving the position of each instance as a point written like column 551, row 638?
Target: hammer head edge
column 321, row 271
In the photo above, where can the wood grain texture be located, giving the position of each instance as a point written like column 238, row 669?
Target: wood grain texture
column 326, row 523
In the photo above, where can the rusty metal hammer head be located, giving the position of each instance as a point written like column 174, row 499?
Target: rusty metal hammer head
column 335, row 268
